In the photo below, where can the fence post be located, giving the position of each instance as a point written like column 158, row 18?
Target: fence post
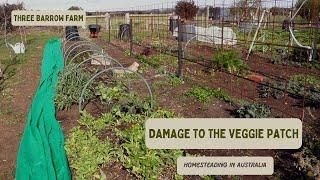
column 222, row 33
column 315, row 22
column 180, row 50
column 109, row 31
column 131, row 37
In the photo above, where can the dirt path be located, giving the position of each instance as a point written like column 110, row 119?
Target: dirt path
column 13, row 123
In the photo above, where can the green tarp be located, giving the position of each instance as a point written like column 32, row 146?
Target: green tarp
column 41, row 153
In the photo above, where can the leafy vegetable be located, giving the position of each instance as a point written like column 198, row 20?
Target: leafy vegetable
column 254, row 111
column 228, row 60
column 70, row 85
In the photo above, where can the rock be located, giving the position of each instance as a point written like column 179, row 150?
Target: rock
column 256, row 78
column 134, row 67
column 100, row 60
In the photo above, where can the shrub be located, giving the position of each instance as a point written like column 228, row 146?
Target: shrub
column 229, row 61
column 186, row 9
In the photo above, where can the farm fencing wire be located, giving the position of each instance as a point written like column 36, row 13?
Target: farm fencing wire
column 151, row 27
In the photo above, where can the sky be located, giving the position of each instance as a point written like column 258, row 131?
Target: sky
column 107, row 5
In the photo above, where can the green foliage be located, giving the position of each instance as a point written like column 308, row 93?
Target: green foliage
column 254, row 111
column 126, row 53
column 86, row 152
column 137, row 40
column 70, row 85
column 154, row 61
column 143, row 162
column 269, row 90
column 123, row 100
column 308, row 79
column 174, row 81
column 306, row 85
column 171, row 80
column 228, row 60
column 205, row 94
column 307, row 159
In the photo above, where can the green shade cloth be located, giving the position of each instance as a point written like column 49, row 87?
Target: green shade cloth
column 41, row 153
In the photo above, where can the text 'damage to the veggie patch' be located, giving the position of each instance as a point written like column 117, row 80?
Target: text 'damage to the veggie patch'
column 225, row 166
column 223, row 133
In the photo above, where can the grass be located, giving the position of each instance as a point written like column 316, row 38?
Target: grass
column 13, row 66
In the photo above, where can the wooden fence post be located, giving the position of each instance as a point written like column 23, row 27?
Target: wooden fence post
column 180, row 50
column 131, row 37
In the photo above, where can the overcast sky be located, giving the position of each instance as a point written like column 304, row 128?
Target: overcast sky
column 103, row 5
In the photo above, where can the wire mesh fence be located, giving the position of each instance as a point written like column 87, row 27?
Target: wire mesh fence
column 268, row 51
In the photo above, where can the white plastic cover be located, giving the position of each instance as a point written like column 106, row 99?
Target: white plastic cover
column 214, row 35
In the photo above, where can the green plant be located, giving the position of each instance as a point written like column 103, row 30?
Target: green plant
column 306, row 85
column 254, row 111
column 307, row 159
column 174, row 81
column 273, row 89
column 122, row 99
column 143, row 162
column 71, row 82
column 126, row 53
column 205, row 94
column 137, row 40
column 229, row 61
column 308, row 79
column 86, row 152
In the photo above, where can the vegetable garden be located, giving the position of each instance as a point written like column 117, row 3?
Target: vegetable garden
column 158, row 68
